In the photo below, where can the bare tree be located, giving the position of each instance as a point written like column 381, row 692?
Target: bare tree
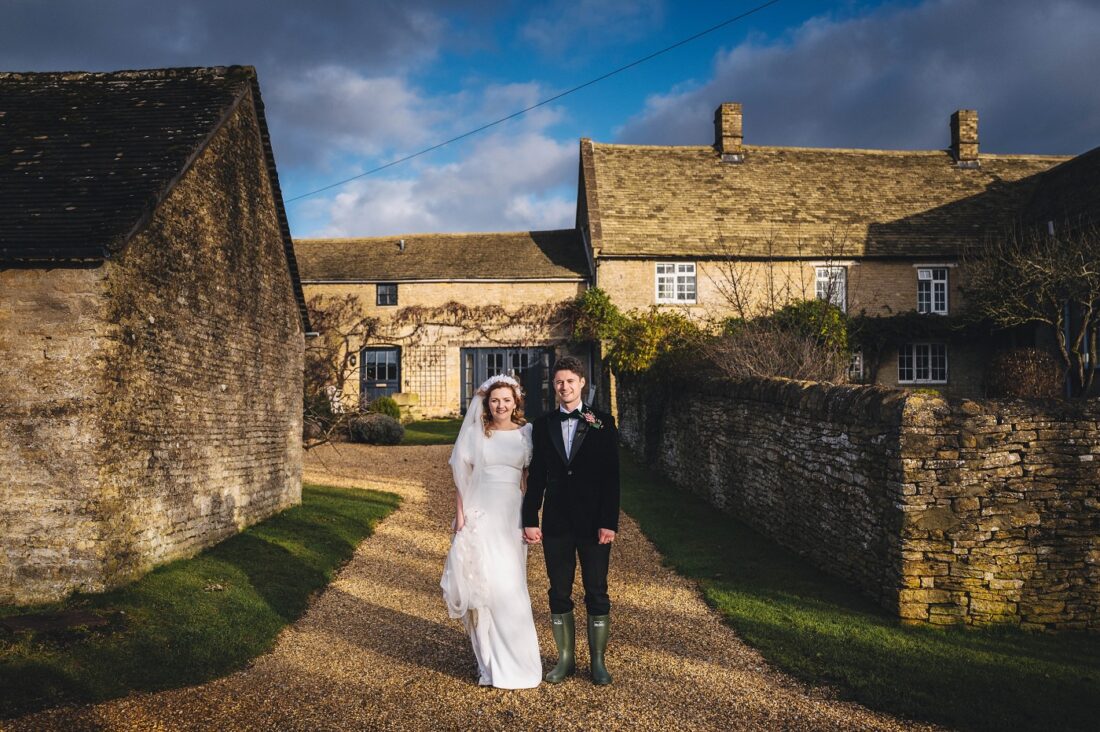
column 761, row 288
column 1029, row 276
column 332, row 358
column 329, row 366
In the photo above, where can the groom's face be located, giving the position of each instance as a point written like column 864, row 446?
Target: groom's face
column 568, row 386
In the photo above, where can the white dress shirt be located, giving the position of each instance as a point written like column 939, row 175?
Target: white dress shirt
column 568, row 429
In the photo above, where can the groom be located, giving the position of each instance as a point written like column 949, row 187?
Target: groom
column 574, row 479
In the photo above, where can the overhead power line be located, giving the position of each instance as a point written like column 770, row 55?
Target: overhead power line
column 544, row 102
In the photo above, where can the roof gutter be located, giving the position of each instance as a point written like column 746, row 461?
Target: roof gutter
column 377, row 280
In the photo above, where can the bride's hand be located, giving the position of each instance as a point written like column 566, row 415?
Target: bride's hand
column 458, row 523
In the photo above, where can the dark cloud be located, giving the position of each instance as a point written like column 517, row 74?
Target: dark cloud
column 335, row 75
column 890, row 79
column 272, row 35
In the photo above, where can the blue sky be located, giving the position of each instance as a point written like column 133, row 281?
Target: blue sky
column 350, row 85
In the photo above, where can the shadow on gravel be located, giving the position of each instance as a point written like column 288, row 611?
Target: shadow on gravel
column 441, row 647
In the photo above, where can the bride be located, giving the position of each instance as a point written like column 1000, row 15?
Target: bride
column 485, row 574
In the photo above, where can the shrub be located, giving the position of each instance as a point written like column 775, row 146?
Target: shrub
column 1025, row 373
column 805, row 340
column 817, row 319
column 596, row 317
column 376, row 429
column 385, row 405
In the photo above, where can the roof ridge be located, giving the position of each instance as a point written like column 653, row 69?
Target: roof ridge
column 157, row 73
column 844, row 150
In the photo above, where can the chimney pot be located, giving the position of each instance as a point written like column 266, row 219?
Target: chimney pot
column 964, row 138
column 728, row 136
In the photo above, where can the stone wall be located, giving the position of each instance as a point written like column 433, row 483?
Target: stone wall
column 157, row 403
column 945, row 512
column 431, row 355
column 51, row 330
column 202, row 419
column 874, row 287
column 1002, row 513
column 878, row 287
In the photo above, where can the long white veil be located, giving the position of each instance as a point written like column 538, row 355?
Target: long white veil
column 463, row 583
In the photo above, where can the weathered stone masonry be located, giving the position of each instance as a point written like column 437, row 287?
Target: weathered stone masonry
column 942, row 512
column 162, row 412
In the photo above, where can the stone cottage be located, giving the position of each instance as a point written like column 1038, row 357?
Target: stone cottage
column 447, row 311
column 875, row 231
column 152, row 324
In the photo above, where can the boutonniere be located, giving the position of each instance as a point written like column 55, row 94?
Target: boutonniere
column 591, row 419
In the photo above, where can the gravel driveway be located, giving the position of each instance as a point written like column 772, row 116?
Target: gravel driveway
column 377, row 651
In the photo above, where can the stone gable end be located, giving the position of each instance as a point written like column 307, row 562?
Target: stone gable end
column 157, row 399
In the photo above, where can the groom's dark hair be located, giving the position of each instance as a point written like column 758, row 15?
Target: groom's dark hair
column 568, row 363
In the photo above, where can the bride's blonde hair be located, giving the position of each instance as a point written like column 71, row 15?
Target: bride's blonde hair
column 517, row 413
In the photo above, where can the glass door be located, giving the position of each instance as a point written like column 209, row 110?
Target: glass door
column 529, row 366
column 379, row 373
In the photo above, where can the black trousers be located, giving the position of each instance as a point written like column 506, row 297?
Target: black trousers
column 561, row 554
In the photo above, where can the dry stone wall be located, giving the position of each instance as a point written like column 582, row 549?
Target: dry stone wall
column 943, row 512
column 1002, row 513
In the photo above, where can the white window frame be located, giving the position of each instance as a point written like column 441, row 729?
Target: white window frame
column 826, row 285
column 676, row 277
column 929, row 275
column 914, row 354
column 855, row 367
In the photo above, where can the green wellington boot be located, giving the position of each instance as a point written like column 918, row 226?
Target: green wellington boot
column 599, row 627
column 565, row 635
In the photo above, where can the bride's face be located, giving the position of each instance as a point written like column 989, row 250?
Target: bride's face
column 502, row 404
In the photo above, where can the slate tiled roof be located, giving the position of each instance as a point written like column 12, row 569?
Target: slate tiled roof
column 86, row 157
column 1069, row 192
column 796, row 202
column 522, row 255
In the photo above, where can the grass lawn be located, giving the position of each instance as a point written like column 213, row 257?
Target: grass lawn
column 193, row 619
column 432, row 432
column 822, row 631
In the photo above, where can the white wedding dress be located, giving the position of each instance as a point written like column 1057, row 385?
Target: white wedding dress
column 485, row 574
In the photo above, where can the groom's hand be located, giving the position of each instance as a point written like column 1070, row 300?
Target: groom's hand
column 607, row 536
column 532, row 534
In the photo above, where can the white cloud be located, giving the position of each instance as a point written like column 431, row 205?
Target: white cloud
column 890, row 79
column 514, row 177
column 328, row 112
column 509, row 181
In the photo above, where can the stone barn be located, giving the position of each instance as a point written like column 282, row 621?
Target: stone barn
column 151, row 324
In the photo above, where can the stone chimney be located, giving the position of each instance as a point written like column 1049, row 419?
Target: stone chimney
column 964, row 138
column 727, row 132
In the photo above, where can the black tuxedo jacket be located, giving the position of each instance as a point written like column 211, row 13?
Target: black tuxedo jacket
column 578, row 493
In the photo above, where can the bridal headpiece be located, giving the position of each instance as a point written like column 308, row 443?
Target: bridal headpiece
column 498, row 379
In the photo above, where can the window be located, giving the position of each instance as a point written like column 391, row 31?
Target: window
column 932, row 290
column 831, row 285
column 676, row 282
column 922, row 363
column 386, row 294
column 855, row 368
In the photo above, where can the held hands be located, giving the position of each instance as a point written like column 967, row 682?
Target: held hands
column 607, row 536
column 532, row 534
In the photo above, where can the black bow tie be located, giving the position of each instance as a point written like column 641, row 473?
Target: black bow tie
column 575, row 414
